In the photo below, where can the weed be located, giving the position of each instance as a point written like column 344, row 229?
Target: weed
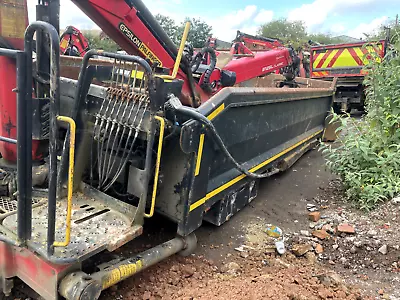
column 367, row 158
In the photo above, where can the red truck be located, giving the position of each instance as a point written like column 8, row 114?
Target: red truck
column 345, row 62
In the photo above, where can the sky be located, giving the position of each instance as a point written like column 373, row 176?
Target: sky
column 336, row 17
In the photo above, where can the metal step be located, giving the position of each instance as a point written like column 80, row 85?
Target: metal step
column 96, row 225
column 9, row 205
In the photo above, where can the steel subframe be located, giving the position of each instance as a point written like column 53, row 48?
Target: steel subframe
column 40, row 275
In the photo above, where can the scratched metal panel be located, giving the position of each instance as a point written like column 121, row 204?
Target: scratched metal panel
column 12, row 18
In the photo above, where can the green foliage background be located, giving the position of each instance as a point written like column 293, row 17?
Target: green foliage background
column 368, row 156
column 198, row 34
column 100, row 43
column 295, row 33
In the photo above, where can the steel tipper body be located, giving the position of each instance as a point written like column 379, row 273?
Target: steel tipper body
column 345, row 62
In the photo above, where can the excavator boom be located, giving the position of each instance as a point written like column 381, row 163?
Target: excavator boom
column 131, row 25
column 73, row 42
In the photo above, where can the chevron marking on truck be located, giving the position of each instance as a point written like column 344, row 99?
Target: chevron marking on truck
column 342, row 57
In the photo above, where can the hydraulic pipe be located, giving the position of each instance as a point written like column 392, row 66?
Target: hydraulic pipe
column 81, row 286
column 8, row 140
column 24, row 158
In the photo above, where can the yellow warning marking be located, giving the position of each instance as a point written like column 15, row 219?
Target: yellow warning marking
column 64, row 44
column 316, row 62
column 360, row 54
column 137, row 74
column 216, row 112
column 199, row 155
column 345, row 60
column 120, row 273
column 237, row 179
column 329, row 58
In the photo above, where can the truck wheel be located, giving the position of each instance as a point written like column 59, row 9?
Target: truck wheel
column 337, row 108
column 191, row 244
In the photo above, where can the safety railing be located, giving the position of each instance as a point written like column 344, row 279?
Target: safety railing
column 25, row 133
column 108, row 125
column 24, row 63
column 72, row 129
column 157, row 170
column 24, row 126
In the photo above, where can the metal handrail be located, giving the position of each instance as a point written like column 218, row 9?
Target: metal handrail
column 157, row 171
column 180, row 53
column 25, row 135
column 72, row 129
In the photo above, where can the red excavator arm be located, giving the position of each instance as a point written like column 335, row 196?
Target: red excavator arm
column 257, row 43
column 135, row 30
column 130, row 24
column 73, row 42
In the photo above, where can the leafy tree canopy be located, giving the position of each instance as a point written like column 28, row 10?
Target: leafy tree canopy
column 199, row 30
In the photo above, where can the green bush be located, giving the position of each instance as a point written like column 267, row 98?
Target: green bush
column 367, row 157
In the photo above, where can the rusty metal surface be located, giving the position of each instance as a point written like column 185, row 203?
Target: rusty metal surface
column 95, row 226
column 70, row 66
column 331, row 132
column 273, row 80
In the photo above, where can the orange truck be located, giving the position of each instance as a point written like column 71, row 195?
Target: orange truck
column 345, row 62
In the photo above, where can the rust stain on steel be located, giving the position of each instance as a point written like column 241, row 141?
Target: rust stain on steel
column 9, row 126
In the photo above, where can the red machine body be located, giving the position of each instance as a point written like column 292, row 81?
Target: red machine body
column 131, row 25
column 260, row 63
column 73, row 42
column 134, row 29
column 123, row 23
column 257, row 43
column 266, row 55
column 14, row 20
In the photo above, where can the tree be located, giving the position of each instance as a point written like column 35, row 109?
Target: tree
column 169, row 26
column 198, row 35
column 324, row 39
column 199, row 30
column 293, row 32
column 382, row 33
column 99, row 43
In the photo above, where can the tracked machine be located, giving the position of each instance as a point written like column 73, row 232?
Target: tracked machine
column 86, row 159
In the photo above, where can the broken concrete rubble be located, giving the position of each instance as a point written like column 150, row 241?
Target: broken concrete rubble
column 321, row 234
column 314, row 216
column 346, row 228
column 301, row 249
column 383, row 250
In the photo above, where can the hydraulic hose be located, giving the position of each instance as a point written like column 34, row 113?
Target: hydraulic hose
column 205, row 85
column 175, row 105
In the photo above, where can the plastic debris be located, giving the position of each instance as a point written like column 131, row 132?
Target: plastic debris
column 311, row 207
column 243, row 248
column 274, row 231
column 280, row 247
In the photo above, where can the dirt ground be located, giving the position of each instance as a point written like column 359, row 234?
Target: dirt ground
column 350, row 266
column 218, row 271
